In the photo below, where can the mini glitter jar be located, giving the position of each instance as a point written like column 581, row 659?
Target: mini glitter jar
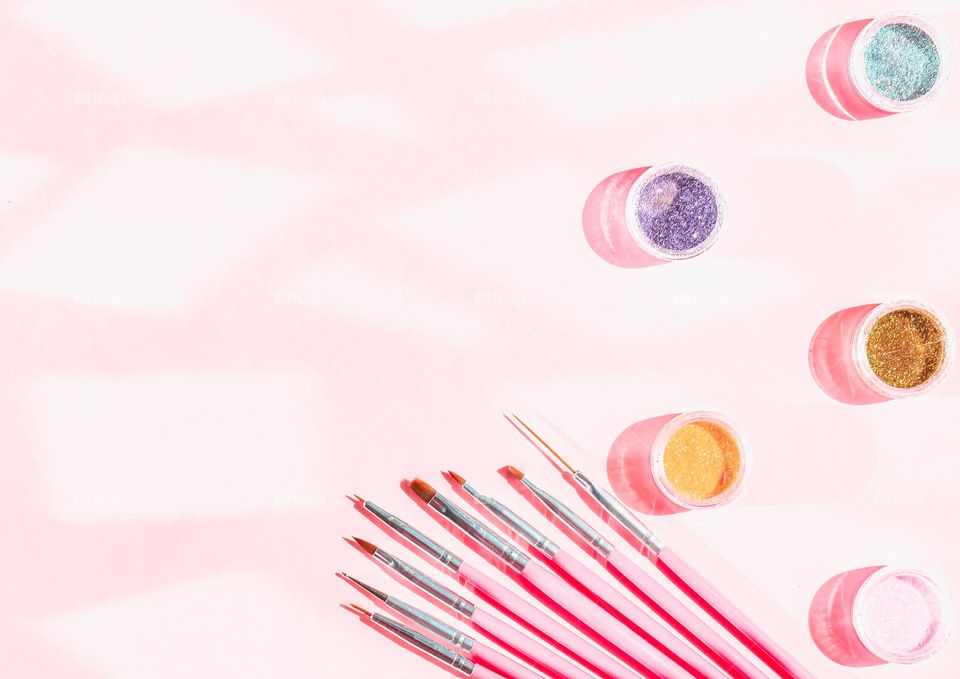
column 903, row 349
column 699, row 460
column 876, row 615
column 877, row 67
column 877, row 352
column 652, row 215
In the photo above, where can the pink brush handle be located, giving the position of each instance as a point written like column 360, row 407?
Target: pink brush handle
column 602, row 623
column 496, row 660
column 548, row 628
column 694, row 628
column 605, row 592
column 481, row 672
column 539, row 655
column 731, row 617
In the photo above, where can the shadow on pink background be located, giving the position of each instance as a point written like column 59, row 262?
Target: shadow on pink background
column 831, row 619
column 828, row 74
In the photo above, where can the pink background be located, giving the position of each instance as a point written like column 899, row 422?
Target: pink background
column 254, row 258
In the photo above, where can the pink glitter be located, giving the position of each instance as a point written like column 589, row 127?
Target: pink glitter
column 901, row 616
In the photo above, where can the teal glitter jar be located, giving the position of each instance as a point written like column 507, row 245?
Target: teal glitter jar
column 899, row 62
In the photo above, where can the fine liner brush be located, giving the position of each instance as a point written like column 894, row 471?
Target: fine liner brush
column 692, row 627
column 599, row 588
column 563, row 594
column 476, row 650
column 439, row 651
column 538, row 655
column 678, row 570
column 546, row 627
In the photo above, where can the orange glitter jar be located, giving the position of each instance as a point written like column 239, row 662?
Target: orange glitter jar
column 699, row 460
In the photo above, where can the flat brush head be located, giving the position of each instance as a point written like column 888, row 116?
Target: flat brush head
column 515, row 472
column 369, row 547
column 545, row 444
column 423, row 489
column 373, row 590
column 456, row 477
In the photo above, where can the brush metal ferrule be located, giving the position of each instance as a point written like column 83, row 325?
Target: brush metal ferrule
column 622, row 514
column 537, row 539
column 569, row 517
column 435, row 550
column 430, row 623
column 426, row 583
column 434, row 648
column 480, row 532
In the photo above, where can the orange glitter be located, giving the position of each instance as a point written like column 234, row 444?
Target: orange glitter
column 701, row 460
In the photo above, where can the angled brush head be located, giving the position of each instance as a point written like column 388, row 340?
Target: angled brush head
column 369, row 547
column 358, row 499
column 360, row 610
column 456, row 477
column 373, row 590
column 514, row 471
column 423, row 489
column 544, row 443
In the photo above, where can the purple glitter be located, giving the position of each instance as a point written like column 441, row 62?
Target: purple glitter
column 677, row 212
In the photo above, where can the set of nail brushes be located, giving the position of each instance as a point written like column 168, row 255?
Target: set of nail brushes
column 620, row 639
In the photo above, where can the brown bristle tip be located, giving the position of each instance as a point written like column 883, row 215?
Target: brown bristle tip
column 359, row 499
column 456, row 477
column 360, row 610
column 367, row 546
column 516, row 472
column 423, row 489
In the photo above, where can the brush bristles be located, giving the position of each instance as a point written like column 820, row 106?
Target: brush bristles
column 423, row 490
column 361, row 610
column 358, row 499
column 456, row 477
column 369, row 547
column 545, row 444
column 373, row 590
column 515, row 472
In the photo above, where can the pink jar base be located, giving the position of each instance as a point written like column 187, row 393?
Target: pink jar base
column 605, row 222
column 831, row 358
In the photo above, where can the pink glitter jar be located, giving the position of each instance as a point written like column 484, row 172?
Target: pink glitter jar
column 901, row 615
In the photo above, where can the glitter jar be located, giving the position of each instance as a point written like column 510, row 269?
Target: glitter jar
column 902, row 615
column 878, row 67
column 653, row 215
column 899, row 61
column 902, row 349
column 877, row 615
column 699, row 460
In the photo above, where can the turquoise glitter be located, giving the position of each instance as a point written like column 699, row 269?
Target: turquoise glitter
column 902, row 62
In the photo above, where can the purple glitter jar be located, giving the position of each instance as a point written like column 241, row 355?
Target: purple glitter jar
column 674, row 211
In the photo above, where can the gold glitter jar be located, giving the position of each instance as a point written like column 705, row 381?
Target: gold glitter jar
column 903, row 349
column 700, row 460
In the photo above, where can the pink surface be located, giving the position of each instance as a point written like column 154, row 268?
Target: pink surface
column 254, row 257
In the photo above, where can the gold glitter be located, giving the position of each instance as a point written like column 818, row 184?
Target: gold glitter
column 906, row 348
column 701, row 460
